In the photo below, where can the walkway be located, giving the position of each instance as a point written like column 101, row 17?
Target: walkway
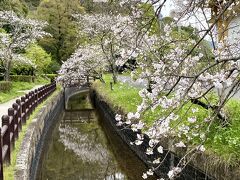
column 128, row 80
column 143, row 84
column 4, row 106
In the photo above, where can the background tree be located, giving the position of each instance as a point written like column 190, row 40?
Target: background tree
column 65, row 38
column 39, row 57
column 19, row 33
column 18, row 6
column 87, row 61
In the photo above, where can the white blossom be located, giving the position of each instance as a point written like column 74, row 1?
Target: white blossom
column 180, row 144
column 160, row 149
column 175, row 171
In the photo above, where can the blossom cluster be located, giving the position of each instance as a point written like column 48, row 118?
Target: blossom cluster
column 85, row 62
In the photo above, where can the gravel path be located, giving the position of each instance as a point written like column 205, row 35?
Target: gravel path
column 4, row 106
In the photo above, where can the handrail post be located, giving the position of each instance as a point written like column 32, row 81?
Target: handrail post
column 35, row 98
column 40, row 95
column 15, row 119
column 6, row 139
column 44, row 92
column 1, row 160
column 11, row 126
column 23, row 104
column 27, row 105
column 18, row 101
column 30, row 102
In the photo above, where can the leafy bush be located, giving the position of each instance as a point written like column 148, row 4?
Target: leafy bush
column 52, row 77
column 39, row 57
column 22, row 78
column 5, row 86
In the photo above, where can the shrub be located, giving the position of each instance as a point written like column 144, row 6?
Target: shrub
column 5, row 86
column 52, row 77
column 22, row 78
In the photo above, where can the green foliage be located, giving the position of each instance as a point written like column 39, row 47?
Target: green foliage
column 150, row 21
column 22, row 69
column 22, row 78
column 225, row 141
column 18, row 6
column 53, row 67
column 5, row 86
column 32, row 4
column 52, row 77
column 109, row 7
column 64, row 30
column 39, row 57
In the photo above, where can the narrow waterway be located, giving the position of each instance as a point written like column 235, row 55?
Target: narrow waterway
column 82, row 146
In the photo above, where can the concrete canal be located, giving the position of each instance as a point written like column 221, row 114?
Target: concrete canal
column 82, row 146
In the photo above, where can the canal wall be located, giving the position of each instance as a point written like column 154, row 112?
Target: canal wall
column 128, row 136
column 30, row 153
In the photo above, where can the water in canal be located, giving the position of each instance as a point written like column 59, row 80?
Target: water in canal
column 83, row 147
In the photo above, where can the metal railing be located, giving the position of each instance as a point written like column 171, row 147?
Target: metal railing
column 17, row 116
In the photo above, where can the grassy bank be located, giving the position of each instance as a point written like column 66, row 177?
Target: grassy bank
column 8, row 171
column 17, row 87
column 222, row 142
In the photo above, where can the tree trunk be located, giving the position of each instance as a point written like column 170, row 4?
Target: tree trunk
column 114, row 78
column 6, row 75
column 114, row 74
column 7, row 71
column 87, row 78
column 7, row 67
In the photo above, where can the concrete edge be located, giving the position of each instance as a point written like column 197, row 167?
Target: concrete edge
column 129, row 136
column 32, row 139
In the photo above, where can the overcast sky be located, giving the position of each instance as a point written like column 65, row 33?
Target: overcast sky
column 167, row 8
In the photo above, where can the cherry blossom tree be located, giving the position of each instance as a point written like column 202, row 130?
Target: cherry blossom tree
column 184, row 79
column 19, row 33
column 117, row 36
column 184, row 82
column 87, row 61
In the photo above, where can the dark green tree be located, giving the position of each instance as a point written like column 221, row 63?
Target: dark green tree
column 18, row 6
column 65, row 35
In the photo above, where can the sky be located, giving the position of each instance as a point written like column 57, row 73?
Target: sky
column 192, row 21
column 168, row 7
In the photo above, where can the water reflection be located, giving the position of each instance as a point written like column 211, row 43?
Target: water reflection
column 83, row 147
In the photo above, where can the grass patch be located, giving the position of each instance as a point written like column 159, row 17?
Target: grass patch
column 8, row 171
column 222, row 141
column 20, row 86
column 122, row 95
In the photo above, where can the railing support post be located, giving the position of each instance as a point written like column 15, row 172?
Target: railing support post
column 18, row 101
column 15, row 119
column 6, row 139
column 1, row 160
column 23, row 104
column 11, row 126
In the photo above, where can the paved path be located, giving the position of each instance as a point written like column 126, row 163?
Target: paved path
column 4, row 106
column 143, row 84
column 128, row 80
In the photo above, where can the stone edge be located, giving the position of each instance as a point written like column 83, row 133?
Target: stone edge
column 32, row 138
